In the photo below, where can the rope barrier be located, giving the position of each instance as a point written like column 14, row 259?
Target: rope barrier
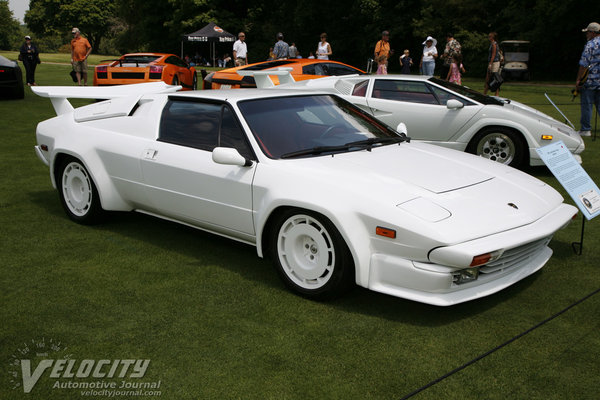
column 482, row 356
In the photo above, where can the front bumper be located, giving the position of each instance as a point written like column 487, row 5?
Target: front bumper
column 432, row 283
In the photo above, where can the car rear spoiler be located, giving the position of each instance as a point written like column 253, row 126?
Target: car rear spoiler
column 59, row 94
column 263, row 78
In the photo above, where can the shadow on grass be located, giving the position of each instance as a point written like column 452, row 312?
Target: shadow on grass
column 210, row 249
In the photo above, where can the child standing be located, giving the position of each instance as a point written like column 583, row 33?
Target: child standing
column 381, row 65
column 456, row 67
column 406, row 62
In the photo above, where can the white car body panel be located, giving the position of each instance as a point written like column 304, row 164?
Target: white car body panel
column 446, row 207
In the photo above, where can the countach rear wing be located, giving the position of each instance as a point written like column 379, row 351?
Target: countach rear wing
column 59, row 94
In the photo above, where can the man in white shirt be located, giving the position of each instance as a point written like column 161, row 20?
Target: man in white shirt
column 240, row 50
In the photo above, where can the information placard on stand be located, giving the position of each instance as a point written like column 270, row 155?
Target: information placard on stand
column 571, row 175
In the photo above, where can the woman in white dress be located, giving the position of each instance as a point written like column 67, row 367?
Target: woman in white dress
column 323, row 48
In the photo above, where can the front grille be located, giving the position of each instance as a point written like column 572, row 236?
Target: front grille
column 128, row 75
column 516, row 257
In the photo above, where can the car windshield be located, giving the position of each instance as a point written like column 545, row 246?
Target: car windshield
column 312, row 125
column 465, row 91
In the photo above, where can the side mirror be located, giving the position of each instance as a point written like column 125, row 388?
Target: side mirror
column 229, row 156
column 402, row 128
column 454, row 104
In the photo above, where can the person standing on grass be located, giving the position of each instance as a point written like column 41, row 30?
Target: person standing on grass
column 240, row 50
column 281, row 50
column 590, row 89
column 383, row 48
column 31, row 58
column 80, row 51
column 493, row 61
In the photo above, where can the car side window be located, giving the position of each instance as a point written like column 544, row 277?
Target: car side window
column 176, row 61
column 309, row 69
column 443, row 96
column 191, row 124
column 202, row 126
column 360, row 89
column 232, row 135
column 401, row 90
column 339, row 70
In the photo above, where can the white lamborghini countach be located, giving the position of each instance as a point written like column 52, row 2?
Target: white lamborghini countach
column 332, row 195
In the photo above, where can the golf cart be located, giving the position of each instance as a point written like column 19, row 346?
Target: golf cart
column 516, row 59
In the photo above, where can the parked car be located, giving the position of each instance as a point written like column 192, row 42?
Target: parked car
column 453, row 116
column 146, row 67
column 301, row 68
column 11, row 79
column 331, row 194
column 516, row 59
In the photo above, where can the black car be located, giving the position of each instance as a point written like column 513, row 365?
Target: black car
column 11, row 79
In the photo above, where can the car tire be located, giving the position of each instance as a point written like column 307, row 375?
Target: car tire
column 77, row 192
column 175, row 81
column 499, row 144
column 310, row 255
column 195, row 82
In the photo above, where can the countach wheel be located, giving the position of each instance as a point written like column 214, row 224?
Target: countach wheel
column 175, row 81
column 499, row 144
column 310, row 255
column 77, row 192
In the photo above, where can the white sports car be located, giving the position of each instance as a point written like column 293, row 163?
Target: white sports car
column 332, row 195
column 453, row 116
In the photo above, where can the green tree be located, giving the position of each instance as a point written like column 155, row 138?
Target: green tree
column 10, row 29
column 57, row 17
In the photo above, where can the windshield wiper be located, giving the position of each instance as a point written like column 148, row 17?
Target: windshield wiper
column 367, row 143
column 314, row 151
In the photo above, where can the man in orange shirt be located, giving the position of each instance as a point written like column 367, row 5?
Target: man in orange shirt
column 80, row 50
column 382, row 47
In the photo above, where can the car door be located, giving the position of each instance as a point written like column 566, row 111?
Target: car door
column 181, row 71
column 421, row 106
column 184, row 182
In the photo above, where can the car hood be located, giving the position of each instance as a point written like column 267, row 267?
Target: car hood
column 5, row 62
column 449, row 196
column 530, row 112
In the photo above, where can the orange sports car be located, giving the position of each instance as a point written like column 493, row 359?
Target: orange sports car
column 302, row 68
column 146, row 67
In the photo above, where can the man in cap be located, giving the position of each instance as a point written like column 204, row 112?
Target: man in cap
column 590, row 88
column 80, row 51
column 382, row 47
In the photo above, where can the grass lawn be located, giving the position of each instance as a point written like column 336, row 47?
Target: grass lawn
column 216, row 323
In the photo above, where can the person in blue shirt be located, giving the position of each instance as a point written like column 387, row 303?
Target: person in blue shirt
column 281, row 48
column 590, row 88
